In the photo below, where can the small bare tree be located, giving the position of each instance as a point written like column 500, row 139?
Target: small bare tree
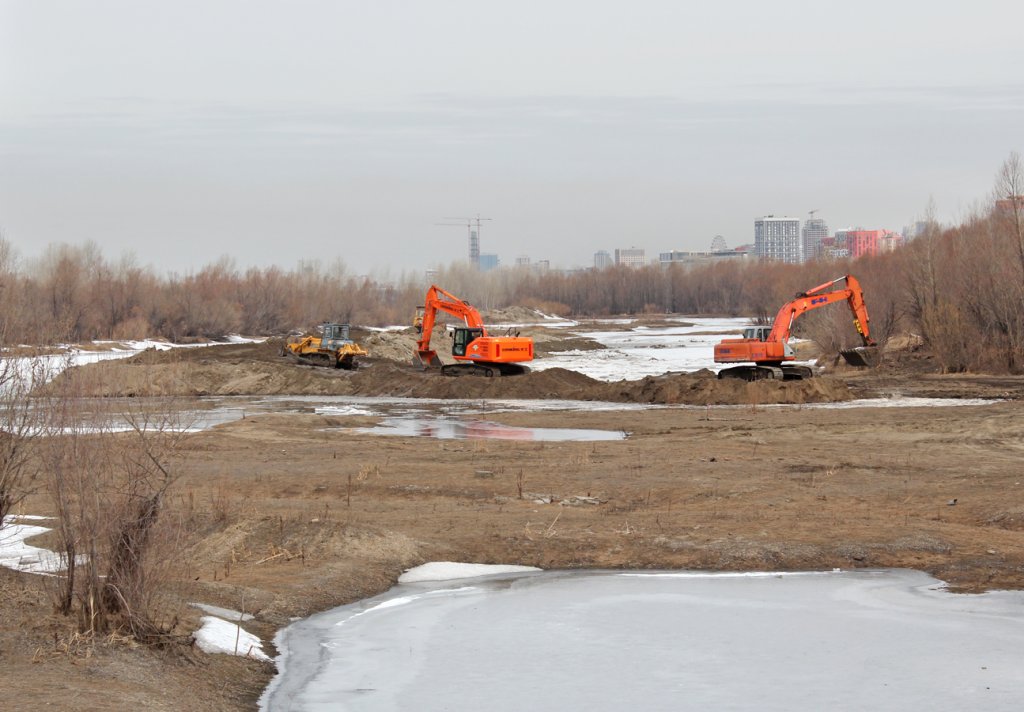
column 108, row 474
column 20, row 374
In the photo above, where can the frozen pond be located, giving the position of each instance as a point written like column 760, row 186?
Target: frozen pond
column 865, row 640
column 648, row 351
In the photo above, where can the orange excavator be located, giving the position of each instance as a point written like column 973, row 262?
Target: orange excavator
column 768, row 347
column 478, row 353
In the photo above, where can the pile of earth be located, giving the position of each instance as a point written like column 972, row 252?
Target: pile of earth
column 259, row 369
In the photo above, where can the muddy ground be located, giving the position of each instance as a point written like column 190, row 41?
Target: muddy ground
column 296, row 513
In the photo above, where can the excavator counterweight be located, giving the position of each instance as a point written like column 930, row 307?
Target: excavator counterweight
column 768, row 347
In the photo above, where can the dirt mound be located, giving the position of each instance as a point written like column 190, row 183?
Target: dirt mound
column 389, row 379
column 704, row 388
column 267, row 351
column 393, row 345
column 259, row 369
column 156, row 374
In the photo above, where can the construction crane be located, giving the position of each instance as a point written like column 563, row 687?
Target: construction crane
column 474, row 235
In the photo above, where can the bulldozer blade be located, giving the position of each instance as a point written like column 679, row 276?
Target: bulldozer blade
column 862, row 356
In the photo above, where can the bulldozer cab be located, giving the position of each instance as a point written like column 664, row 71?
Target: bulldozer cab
column 462, row 337
column 335, row 335
column 757, row 332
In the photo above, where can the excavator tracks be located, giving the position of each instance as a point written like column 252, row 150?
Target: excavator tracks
column 768, row 373
column 486, row 370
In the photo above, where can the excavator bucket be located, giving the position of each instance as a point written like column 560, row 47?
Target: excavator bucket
column 424, row 360
column 862, row 356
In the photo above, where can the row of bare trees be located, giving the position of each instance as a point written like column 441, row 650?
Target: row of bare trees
column 959, row 287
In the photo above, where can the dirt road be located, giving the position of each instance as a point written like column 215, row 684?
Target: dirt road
column 296, row 513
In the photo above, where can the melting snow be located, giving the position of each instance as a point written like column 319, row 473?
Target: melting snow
column 220, row 636
column 449, row 570
column 16, row 554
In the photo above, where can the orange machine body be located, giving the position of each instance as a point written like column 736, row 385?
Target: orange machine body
column 470, row 343
column 769, row 346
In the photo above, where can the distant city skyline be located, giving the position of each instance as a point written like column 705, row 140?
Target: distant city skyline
column 322, row 130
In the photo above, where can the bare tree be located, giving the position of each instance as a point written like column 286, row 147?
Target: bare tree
column 19, row 422
column 1009, row 202
column 108, row 473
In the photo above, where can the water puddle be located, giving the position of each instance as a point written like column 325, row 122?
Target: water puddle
column 198, row 414
column 596, row 641
column 449, row 429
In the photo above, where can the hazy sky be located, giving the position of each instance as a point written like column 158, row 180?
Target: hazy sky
column 283, row 131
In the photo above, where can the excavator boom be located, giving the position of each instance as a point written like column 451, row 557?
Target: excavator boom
column 479, row 352
column 769, row 349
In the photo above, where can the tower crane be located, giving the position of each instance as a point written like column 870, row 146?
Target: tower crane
column 474, row 235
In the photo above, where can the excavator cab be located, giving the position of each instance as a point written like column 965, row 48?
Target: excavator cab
column 757, row 332
column 462, row 337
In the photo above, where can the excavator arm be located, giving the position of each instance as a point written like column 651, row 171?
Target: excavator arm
column 437, row 300
column 822, row 296
column 770, row 351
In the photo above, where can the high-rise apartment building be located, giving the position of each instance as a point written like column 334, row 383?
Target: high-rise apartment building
column 488, row 262
column 474, row 248
column 632, row 257
column 815, row 229
column 871, row 242
column 603, row 259
column 778, row 239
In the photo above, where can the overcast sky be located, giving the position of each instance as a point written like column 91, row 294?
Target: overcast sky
column 275, row 132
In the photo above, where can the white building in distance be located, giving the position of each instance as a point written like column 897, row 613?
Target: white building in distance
column 632, row 257
column 778, row 239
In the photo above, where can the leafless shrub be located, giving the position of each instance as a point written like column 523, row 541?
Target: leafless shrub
column 20, row 420
column 108, row 474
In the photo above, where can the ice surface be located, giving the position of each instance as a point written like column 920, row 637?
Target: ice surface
column 597, row 641
column 644, row 351
column 342, row 410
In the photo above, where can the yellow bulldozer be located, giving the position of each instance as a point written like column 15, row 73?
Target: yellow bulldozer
column 334, row 348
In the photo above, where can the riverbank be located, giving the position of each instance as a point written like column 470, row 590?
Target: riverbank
column 293, row 513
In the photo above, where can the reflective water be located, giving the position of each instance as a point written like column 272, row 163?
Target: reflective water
column 196, row 414
column 882, row 640
column 449, row 429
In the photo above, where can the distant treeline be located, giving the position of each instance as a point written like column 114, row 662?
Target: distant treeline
column 960, row 289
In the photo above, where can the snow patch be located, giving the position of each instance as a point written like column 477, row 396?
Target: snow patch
column 342, row 410
column 450, row 570
column 220, row 636
column 16, row 554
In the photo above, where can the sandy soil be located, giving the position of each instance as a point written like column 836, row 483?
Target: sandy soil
column 296, row 513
